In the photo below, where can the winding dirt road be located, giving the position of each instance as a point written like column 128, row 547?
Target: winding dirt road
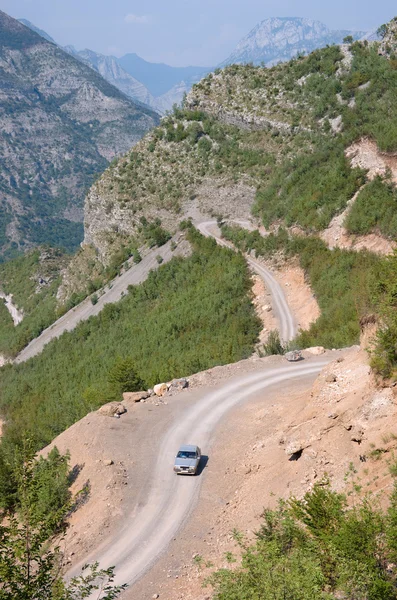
column 168, row 499
column 287, row 325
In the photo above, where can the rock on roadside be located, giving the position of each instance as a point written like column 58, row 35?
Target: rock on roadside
column 111, row 409
column 135, row 396
column 315, row 350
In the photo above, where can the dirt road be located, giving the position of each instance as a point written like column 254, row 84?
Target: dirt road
column 168, row 500
column 287, row 325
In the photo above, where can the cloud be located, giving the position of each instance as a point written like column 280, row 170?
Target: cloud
column 141, row 19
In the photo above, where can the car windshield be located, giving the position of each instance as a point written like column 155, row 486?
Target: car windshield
column 183, row 454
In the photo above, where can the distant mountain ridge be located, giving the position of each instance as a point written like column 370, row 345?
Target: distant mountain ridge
column 280, row 39
column 159, row 78
column 157, row 85
column 61, row 125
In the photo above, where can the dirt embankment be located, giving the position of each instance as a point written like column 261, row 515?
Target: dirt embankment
column 298, row 293
column 366, row 155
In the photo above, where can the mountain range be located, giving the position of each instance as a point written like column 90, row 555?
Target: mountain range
column 61, row 125
column 160, row 86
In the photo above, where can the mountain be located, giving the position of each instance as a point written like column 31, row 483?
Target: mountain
column 280, row 39
column 111, row 70
column 158, row 77
column 156, row 85
column 39, row 31
column 61, row 125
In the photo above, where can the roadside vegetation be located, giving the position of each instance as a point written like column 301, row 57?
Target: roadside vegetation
column 31, row 561
column 189, row 315
column 321, row 546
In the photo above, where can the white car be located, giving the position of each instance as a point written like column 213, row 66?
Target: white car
column 187, row 460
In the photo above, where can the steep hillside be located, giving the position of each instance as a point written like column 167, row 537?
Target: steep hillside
column 279, row 39
column 62, row 124
column 275, row 142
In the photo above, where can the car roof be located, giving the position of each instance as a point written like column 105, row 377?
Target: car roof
column 187, row 448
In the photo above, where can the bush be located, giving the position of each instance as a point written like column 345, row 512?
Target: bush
column 273, row 344
column 94, row 299
column 136, row 255
column 123, row 377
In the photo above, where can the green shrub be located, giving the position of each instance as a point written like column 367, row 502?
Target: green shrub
column 273, row 344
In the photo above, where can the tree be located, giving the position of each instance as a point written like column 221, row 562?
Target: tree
column 29, row 568
column 382, row 31
column 123, row 376
column 348, row 39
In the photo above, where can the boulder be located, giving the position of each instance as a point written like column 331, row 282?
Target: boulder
column 178, row 384
column 293, row 356
column 316, row 350
column 160, row 389
column 108, row 462
column 112, row 408
column 295, row 446
column 266, row 308
column 135, row 396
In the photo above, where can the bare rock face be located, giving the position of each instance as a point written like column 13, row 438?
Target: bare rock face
column 111, row 409
column 279, row 39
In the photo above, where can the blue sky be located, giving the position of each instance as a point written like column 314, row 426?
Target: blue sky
column 182, row 32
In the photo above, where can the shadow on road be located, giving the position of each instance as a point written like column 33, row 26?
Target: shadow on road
column 202, row 464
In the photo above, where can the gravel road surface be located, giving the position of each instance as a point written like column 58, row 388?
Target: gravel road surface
column 170, row 499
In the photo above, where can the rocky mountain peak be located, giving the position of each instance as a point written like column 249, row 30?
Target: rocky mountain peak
column 280, row 38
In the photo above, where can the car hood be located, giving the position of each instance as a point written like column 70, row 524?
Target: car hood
column 185, row 462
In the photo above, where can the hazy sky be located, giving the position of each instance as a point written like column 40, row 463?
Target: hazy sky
column 182, row 32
